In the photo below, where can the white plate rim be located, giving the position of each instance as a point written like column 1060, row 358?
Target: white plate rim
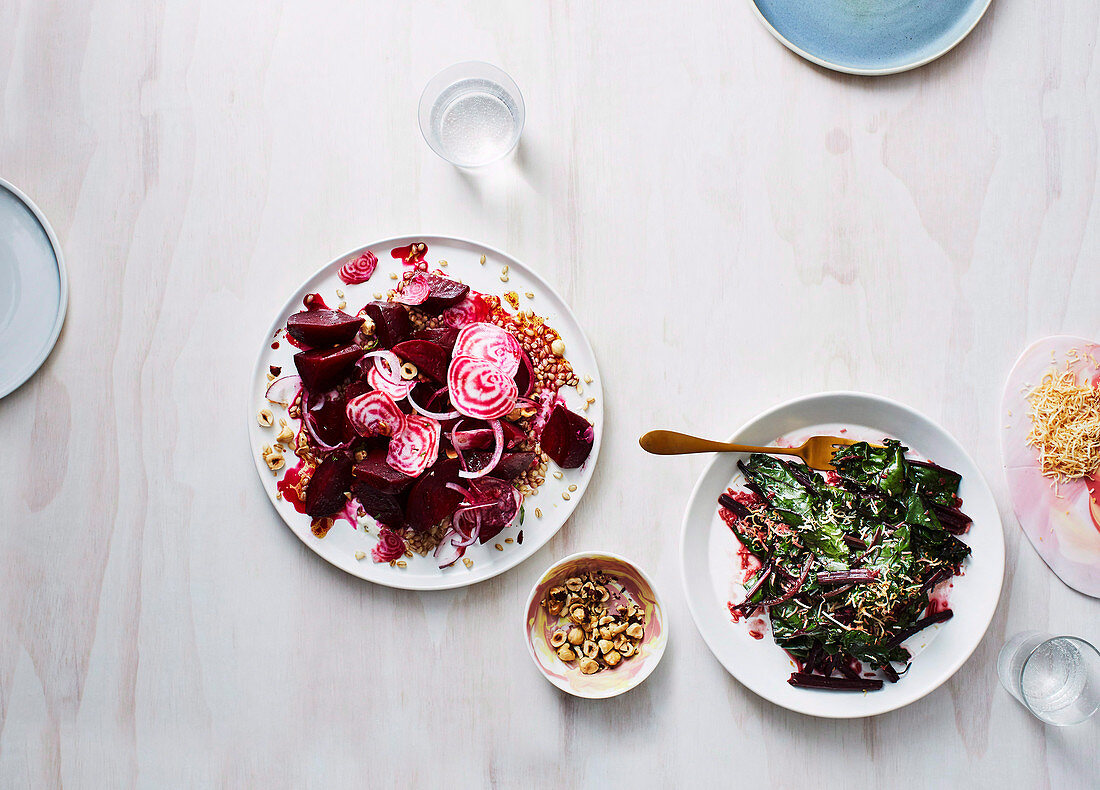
column 906, row 696
column 31, row 368
column 530, row 547
column 866, row 72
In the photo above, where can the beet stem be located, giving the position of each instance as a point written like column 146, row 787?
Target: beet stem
column 806, row 680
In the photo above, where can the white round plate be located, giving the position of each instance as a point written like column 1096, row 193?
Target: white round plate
column 34, row 289
column 343, row 541
column 709, row 566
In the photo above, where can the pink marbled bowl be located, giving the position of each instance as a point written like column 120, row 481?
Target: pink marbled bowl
column 609, row 682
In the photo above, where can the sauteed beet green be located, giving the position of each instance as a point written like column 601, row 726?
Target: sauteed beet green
column 848, row 561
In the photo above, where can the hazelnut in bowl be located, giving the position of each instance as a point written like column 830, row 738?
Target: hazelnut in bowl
column 594, row 625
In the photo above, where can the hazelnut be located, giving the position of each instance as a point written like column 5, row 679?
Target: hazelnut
column 409, row 371
column 574, row 584
column 577, row 614
column 576, row 636
column 626, row 650
column 273, row 458
column 368, row 325
column 605, row 632
column 265, row 418
column 565, row 653
column 557, row 348
column 590, row 649
column 618, row 628
column 606, row 620
column 604, row 646
column 635, row 631
column 604, row 594
column 589, row 667
column 612, row 658
column 286, row 433
column 554, row 607
column 557, row 639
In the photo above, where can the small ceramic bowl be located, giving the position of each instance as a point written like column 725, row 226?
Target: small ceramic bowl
column 538, row 625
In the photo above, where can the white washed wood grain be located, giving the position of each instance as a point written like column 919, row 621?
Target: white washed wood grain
column 684, row 181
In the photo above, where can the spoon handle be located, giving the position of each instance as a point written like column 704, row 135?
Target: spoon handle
column 673, row 443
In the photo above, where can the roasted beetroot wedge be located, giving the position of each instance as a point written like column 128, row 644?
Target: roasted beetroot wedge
column 525, row 376
column 503, row 502
column 382, row 507
column 331, row 478
column 509, row 467
column 443, row 293
column 375, row 472
column 476, row 435
column 327, row 415
column 323, row 328
column 391, row 322
column 445, row 336
column 430, row 501
column 430, row 358
column 322, row 369
column 567, row 437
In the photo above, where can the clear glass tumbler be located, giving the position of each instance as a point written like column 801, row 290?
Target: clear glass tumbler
column 471, row 114
column 1057, row 678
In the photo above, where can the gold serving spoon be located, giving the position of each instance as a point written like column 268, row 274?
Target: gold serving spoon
column 817, row 451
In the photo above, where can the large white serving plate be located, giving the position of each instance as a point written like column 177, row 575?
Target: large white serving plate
column 710, row 569
column 463, row 263
column 34, row 289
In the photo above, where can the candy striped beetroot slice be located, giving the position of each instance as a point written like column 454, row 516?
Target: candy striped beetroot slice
column 480, row 389
column 415, row 448
column 394, row 386
column 470, row 310
column 375, row 414
column 491, row 343
column 415, row 290
column 360, row 269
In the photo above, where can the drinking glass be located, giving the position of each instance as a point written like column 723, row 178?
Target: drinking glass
column 1057, row 678
column 471, row 114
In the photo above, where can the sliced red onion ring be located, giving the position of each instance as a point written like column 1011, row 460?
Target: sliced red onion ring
column 415, row 290
column 392, row 363
column 467, row 539
column 395, row 389
column 307, row 419
column 386, row 374
column 447, row 552
column 480, row 389
column 415, row 448
column 283, row 391
column 375, row 414
column 492, row 344
column 498, row 451
column 435, row 415
column 464, row 491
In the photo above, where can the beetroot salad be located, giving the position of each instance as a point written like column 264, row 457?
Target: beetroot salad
column 433, row 411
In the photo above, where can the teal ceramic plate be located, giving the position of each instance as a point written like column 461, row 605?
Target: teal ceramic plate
column 870, row 36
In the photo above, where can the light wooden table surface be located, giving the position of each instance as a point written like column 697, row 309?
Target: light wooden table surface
column 732, row 226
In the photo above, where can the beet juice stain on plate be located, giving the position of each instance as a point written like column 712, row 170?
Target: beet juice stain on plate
column 418, row 402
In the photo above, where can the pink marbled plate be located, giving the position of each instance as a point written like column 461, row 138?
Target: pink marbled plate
column 538, row 625
column 1064, row 527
